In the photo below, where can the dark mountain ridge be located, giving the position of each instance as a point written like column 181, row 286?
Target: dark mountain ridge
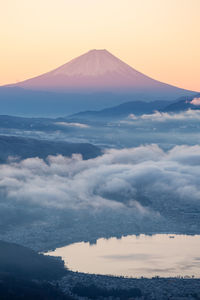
column 11, row 146
column 182, row 105
column 123, row 110
column 138, row 108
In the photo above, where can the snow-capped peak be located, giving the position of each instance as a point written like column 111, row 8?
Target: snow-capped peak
column 93, row 63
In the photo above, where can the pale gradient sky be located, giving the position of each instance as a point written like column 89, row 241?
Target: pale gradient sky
column 160, row 38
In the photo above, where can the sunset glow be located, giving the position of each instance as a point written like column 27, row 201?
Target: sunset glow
column 157, row 37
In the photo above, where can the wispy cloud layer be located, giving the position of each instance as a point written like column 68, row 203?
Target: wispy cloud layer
column 164, row 116
column 68, row 124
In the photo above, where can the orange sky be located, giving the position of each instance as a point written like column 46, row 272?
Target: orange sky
column 160, row 38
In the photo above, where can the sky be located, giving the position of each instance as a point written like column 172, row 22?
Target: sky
column 160, row 38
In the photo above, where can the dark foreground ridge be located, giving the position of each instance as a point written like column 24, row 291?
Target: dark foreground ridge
column 26, row 274
column 22, row 262
column 12, row 288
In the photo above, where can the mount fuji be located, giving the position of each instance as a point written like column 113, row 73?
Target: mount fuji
column 92, row 81
column 100, row 71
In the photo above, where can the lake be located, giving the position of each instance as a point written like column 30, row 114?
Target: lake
column 135, row 256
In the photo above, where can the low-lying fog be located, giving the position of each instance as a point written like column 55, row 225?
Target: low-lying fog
column 165, row 129
column 145, row 181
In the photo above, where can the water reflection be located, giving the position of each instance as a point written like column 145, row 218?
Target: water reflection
column 161, row 254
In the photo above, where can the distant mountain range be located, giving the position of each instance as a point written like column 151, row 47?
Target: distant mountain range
column 184, row 104
column 123, row 110
column 94, row 80
column 19, row 147
column 138, row 108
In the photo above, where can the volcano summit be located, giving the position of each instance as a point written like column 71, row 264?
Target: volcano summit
column 100, row 71
column 92, row 81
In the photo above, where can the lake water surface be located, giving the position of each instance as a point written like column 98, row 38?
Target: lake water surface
column 161, row 254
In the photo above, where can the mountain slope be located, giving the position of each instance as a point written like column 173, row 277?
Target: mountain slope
column 183, row 104
column 139, row 108
column 22, row 262
column 100, row 71
column 11, row 146
column 20, row 101
column 123, row 110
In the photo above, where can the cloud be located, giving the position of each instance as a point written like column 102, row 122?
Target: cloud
column 164, row 116
column 67, row 124
column 144, row 179
column 196, row 101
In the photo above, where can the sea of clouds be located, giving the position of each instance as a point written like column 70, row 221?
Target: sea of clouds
column 142, row 178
